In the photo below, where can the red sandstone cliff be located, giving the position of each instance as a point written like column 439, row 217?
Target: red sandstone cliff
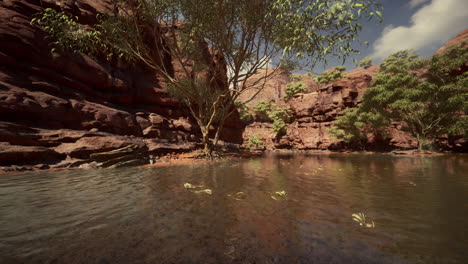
column 315, row 110
column 56, row 106
column 457, row 40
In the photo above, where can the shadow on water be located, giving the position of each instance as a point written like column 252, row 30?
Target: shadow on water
column 145, row 215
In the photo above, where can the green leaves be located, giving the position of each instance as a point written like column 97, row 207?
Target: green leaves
column 427, row 96
column 332, row 75
column 315, row 19
column 270, row 111
column 67, row 35
column 365, row 63
column 255, row 141
column 294, row 88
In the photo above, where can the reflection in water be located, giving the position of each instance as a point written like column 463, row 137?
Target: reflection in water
column 148, row 215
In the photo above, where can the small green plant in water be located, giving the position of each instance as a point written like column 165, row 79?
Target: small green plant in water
column 363, row 220
column 238, row 196
column 192, row 188
column 189, row 186
column 279, row 195
column 207, row 191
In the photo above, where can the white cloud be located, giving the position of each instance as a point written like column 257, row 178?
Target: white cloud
column 414, row 3
column 432, row 25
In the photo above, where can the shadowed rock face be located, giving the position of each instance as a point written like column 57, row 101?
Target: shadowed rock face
column 62, row 103
column 315, row 110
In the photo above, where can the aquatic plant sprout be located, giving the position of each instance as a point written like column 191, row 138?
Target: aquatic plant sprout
column 191, row 186
column 363, row 220
column 278, row 195
column 207, row 191
column 238, row 196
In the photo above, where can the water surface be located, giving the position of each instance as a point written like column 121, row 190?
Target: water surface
column 419, row 205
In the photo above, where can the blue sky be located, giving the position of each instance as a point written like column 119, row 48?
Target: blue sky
column 421, row 25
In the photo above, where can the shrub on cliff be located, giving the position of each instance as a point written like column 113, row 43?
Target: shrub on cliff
column 255, row 141
column 263, row 108
column 280, row 117
column 332, row 75
column 243, row 111
column 269, row 111
column 295, row 77
column 294, row 88
column 246, row 35
column 365, row 63
column 428, row 104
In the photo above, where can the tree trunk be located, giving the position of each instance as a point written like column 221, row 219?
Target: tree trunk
column 420, row 143
column 424, row 142
column 207, row 146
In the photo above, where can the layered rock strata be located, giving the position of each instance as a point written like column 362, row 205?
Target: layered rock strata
column 58, row 106
column 314, row 111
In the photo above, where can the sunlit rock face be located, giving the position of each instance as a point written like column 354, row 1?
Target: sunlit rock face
column 457, row 40
column 314, row 111
column 50, row 99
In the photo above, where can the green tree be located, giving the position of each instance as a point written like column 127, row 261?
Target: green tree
column 246, row 35
column 427, row 96
column 366, row 62
column 354, row 126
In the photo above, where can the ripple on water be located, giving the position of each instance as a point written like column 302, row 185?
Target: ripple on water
column 146, row 214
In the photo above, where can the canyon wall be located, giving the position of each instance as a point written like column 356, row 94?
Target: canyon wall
column 57, row 106
column 314, row 111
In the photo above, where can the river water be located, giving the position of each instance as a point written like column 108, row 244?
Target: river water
column 416, row 210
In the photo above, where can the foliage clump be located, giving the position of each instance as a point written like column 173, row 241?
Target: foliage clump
column 427, row 96
column 243, row 110
column 255, row 141
column 271, row 112
column 354, row 126
column 263, row 108
column 332, row 75
column 66, row 33
column 294, row 88
column 280, row 117
column 288, row 66
column 295, row 77
column 365, row 63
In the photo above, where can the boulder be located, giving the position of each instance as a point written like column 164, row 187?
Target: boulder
column 85, row 146
column 16, row 154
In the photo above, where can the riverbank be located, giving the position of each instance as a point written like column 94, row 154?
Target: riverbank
column 171, row 159
column 197, row 157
